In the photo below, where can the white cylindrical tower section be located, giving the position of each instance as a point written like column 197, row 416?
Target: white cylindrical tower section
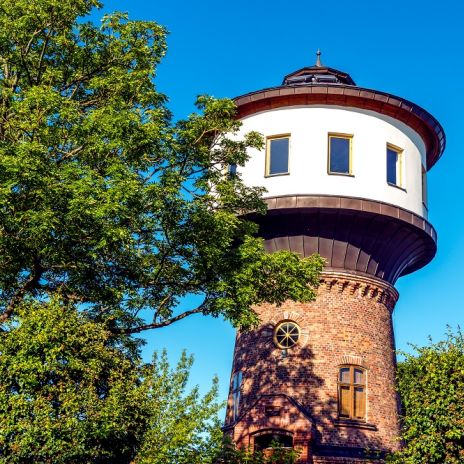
column 335, row 150
column 325, row 136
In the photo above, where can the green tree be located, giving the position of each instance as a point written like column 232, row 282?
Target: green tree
column 65, row 395
column 109, row 208
column 182, row 427
column 431, row 385
column 69, row 395
column 105, row 201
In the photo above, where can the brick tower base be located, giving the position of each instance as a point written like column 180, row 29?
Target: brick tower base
column 295, row 393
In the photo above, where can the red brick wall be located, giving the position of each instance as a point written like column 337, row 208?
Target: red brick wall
column 349, row 323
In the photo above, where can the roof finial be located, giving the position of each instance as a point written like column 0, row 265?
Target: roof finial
column 318, row 61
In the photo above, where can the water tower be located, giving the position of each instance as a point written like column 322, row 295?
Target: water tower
column 345, row 172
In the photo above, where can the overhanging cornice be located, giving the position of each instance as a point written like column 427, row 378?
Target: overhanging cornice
column 355, row 235
column 383, row 103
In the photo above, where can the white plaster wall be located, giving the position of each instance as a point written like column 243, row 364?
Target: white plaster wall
column 309, row 126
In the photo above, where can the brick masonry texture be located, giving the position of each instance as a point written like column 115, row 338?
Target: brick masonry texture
column 349, row 323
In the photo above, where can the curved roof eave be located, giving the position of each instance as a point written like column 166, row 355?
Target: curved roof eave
column 403, row 110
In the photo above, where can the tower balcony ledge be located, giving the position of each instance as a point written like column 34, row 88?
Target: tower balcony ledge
column 354, row 235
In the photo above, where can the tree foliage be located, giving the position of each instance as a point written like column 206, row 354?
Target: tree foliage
column 105, row 201
column 431, row 385
column 183, row 427
column 64, row 394
column 69, row 395
column 109, row 208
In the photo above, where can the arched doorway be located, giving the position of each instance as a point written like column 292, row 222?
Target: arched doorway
column 267, row 440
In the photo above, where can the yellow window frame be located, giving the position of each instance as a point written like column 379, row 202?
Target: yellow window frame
column 340, row 135
column 268, row 155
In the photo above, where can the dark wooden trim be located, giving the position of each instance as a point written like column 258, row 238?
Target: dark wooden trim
column 403, row 110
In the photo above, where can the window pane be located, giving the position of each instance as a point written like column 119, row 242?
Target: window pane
column 232, row 170
column 359, row 403
column 358, row 376
column 424, row 186
column 345, row 401
column 340, row 155
column 345, row 375
column 236, row 381
column 392, row 161
column 278, row 156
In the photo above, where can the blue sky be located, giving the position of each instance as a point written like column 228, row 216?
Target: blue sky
column 414, row 49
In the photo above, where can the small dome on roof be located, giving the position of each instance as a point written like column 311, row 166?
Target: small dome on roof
column 321, row 85
column 317, row 74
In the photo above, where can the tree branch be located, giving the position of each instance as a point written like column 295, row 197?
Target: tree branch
column 70, row 153
column 157, row 325
column 30, row 284
column 31, row 40
column 42, row 55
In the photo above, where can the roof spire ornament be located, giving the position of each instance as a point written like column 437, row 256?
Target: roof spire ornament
column 318, row 60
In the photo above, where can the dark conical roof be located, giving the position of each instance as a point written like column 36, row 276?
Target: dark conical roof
column 317, row 75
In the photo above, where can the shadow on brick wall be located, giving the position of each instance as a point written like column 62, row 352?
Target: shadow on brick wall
column 267, row 370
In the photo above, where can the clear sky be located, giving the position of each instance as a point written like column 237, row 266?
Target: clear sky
column 411, row 48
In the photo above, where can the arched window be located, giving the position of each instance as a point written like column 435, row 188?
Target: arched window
column 352, row 393
column 265, row 440
column 236, row 390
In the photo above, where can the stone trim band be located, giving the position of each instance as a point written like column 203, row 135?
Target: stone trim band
column 363, row 286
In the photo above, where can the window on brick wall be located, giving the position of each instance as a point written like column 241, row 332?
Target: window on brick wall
column 236, row 391
column 352, row 393
column 286, row 334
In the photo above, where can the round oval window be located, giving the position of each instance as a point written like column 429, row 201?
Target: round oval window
column 286, row 334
